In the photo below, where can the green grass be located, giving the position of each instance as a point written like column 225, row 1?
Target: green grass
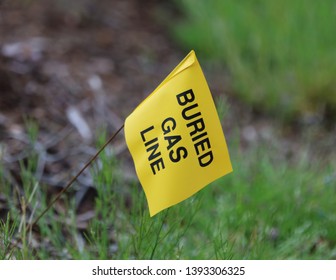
column 287, row 210
column 280, row 54
column 268, row 208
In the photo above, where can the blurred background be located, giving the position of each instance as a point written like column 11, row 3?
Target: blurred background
column 72, row 71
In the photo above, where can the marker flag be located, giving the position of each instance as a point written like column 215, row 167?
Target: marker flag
column 176, row 139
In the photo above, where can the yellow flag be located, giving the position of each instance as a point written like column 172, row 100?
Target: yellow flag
column 176, row 139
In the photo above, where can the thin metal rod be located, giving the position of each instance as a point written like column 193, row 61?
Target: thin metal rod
column 75, row 178
column 30, row 226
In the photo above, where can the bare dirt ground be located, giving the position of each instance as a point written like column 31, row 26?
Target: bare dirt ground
column 96, row 59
